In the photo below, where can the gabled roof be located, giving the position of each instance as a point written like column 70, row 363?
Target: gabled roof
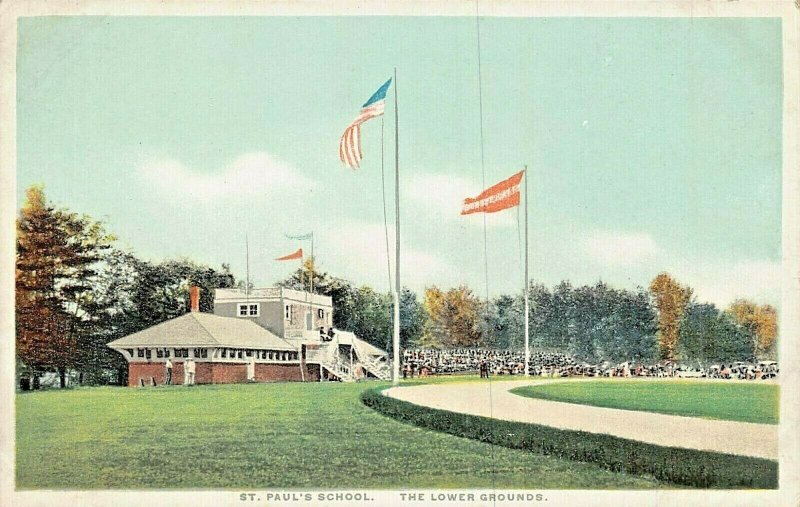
column 198, row 329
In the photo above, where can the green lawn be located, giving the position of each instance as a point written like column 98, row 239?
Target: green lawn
column 262, row 436
column 735, row 401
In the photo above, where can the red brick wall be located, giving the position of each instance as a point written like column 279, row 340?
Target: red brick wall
column 220, row 373
column 285, row 373
column 203, row 373
column 145, row 371
column 228, row 373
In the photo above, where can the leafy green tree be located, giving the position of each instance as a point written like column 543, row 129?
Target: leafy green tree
column 160, row 292
column 709, row 336
column 505, row 322
column 412, row 318
column 540, row 317
column 561, row 317
column 139, row 294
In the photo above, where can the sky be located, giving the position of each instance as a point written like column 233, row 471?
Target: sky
column 652, row 144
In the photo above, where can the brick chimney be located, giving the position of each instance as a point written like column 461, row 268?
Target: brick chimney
column 194, row 298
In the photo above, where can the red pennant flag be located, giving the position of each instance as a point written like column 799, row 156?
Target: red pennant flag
column 495, row 198
column 297, row 255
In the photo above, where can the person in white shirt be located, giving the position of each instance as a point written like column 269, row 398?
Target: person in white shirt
column 188, row 372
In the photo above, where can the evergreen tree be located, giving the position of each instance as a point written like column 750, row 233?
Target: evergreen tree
column 57, row 256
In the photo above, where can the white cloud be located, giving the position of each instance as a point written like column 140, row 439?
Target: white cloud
column 250, row 173
column 620, row 249
column 636, row 258
column 442, row 196
column 357, row 250
column 723, row 282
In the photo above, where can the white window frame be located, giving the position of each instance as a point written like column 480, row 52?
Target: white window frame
column 248, row 307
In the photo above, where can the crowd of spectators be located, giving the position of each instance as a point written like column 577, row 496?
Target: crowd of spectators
column 487, row 362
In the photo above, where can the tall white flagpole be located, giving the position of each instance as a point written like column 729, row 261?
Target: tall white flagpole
column 247, row 267
column 527, row 283
column 396, row 338
column 313, row 261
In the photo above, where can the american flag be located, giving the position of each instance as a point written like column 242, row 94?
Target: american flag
column 350, row 143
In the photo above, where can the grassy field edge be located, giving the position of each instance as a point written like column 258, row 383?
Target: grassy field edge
column 685, row 467
column 282, row 435
column 751, row 403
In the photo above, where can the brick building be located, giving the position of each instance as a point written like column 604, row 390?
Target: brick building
column 261, row 335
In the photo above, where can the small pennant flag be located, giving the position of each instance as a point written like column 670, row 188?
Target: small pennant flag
column 495, row 198
column 296, row 255
column 350, row 143
column 302, row 237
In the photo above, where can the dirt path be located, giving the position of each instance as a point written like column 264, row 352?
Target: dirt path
column 493, row 399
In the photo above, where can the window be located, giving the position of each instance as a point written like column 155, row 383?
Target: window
column 224, row 353
column 139, row 352
column 249, row 309
column 148, row 353
column 239, row 353
column 181, row 352
column 320, row 313
column 249, row 353
column 166, row 352
column 288, row 315
column 159, row 352
column 200, row 352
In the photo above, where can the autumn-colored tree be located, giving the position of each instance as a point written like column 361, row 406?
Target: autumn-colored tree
column 464, row 318
column 433, row 330
column 760, row 321
column 671, row 299
column 766, row 330
column 56, row 254
column 454, row 318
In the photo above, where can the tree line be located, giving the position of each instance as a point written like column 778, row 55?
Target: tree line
column 592, row 322
column 76, row 291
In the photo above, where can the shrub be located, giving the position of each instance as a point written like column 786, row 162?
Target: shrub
column 686, row 467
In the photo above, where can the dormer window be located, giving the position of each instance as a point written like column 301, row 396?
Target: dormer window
column 248, row 310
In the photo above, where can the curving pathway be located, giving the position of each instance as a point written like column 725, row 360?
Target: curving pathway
column 493, row 399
